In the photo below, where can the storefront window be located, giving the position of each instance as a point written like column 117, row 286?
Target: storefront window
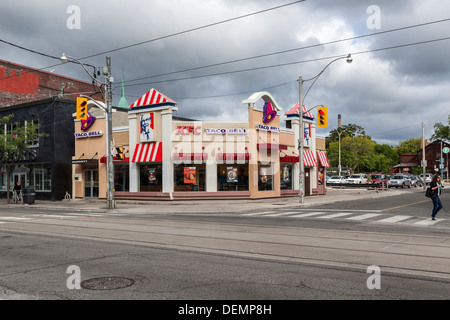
column 189, row 177
column 265, row 178
column 3, row 178
column 121, row 177
column 232, row 177
column 151, row 177
column 286, row 175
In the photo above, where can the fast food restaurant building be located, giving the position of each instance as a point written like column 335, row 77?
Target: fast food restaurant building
column 159, row 156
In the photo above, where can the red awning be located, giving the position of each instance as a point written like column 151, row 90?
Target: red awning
column 309, row 159
column 271, row 146
column 189, row 156
column 233, row 157
column 148, row 152
column 323, row 158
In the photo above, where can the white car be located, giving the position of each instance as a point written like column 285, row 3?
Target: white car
column 428, row 178
column 337, row 180
column 357, row 178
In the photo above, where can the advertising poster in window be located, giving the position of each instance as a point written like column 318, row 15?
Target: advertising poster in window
column 286, row 173
column 147, row 127
column 232, row 175
column 152, row 175
column 189, row 175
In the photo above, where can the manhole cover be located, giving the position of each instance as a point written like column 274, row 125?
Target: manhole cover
column 107, row 283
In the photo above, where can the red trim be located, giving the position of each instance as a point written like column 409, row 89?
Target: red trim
column 289, row 159
column 189, row 156
column 125, row 160
column 233, row 156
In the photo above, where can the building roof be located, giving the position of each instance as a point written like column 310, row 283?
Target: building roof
column 151, row 98
column 294, row 112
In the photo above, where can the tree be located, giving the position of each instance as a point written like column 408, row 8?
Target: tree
column 358, row 153
column 349, row 130
column 14, row 141
column 441, row 132
column 410, row 146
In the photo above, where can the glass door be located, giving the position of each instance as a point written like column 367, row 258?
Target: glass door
column 91, row 183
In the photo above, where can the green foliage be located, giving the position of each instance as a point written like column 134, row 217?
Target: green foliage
column 441, row 132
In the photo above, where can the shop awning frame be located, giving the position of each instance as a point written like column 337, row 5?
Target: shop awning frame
column 323, row 159
column 185, row 156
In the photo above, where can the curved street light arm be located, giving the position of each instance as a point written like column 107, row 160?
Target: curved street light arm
column 64, row 60
column 349, row 60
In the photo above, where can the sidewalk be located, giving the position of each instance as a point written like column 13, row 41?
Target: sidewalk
column 205, row 206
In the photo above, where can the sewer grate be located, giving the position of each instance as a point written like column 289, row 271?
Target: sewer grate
column 107, row 283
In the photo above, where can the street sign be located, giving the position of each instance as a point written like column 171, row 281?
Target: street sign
column 446, row 150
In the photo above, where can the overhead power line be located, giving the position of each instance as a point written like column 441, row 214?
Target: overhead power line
column 194, row 29
column 290, row 63
column 291, row 50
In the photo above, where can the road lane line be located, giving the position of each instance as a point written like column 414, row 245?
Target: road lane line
column 405, row 205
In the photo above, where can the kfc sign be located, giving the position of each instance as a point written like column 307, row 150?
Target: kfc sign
column 185, row 130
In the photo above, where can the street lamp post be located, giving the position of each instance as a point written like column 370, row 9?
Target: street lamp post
column 301, row 113
column 108, row 99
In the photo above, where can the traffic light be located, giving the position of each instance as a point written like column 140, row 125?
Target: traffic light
column 119, row 153
column 81, row 108
column 322, row 117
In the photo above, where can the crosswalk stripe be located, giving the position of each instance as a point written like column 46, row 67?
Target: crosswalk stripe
column 336, row 215
column 428, row 222
column 14, row 218
column 256, row 213
column 395, row 219
column 311, row 214
column 364, row 216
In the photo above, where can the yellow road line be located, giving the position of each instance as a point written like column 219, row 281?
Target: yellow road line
column 405, row 205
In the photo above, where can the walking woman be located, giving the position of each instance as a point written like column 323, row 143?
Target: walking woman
column 436, row 186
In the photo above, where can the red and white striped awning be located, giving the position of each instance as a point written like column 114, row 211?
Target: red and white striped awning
column 148, row 152
column 294, row 111
column 323, row 158
column 309, row 159
column 152, row 97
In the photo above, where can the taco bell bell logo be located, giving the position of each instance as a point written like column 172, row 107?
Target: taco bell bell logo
column 269, row 113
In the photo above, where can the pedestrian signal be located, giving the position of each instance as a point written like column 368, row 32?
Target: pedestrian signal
column 322, row 117
column 81, row 108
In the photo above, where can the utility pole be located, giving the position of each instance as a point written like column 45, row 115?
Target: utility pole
column 109, row 154
column 424, row 164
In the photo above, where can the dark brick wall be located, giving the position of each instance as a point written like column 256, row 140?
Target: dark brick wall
column 21, row 84
column 55, row 119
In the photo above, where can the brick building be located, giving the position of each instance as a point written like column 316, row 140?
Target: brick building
column 432, row 156
column 20, row 84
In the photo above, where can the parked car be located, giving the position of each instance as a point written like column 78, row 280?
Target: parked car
column 400, row 180
column 336, row 180
column 379, row 178
column 416, row 181
column 428, row 177
column 357, row 178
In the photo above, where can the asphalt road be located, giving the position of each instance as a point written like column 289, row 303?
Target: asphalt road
column 282, row 254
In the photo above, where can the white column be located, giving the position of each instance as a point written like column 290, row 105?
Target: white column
column 167, row 162
column 211, row 176
column 134, row 167
column 295, row 124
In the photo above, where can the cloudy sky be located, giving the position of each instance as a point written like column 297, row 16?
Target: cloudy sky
column 209, row 55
